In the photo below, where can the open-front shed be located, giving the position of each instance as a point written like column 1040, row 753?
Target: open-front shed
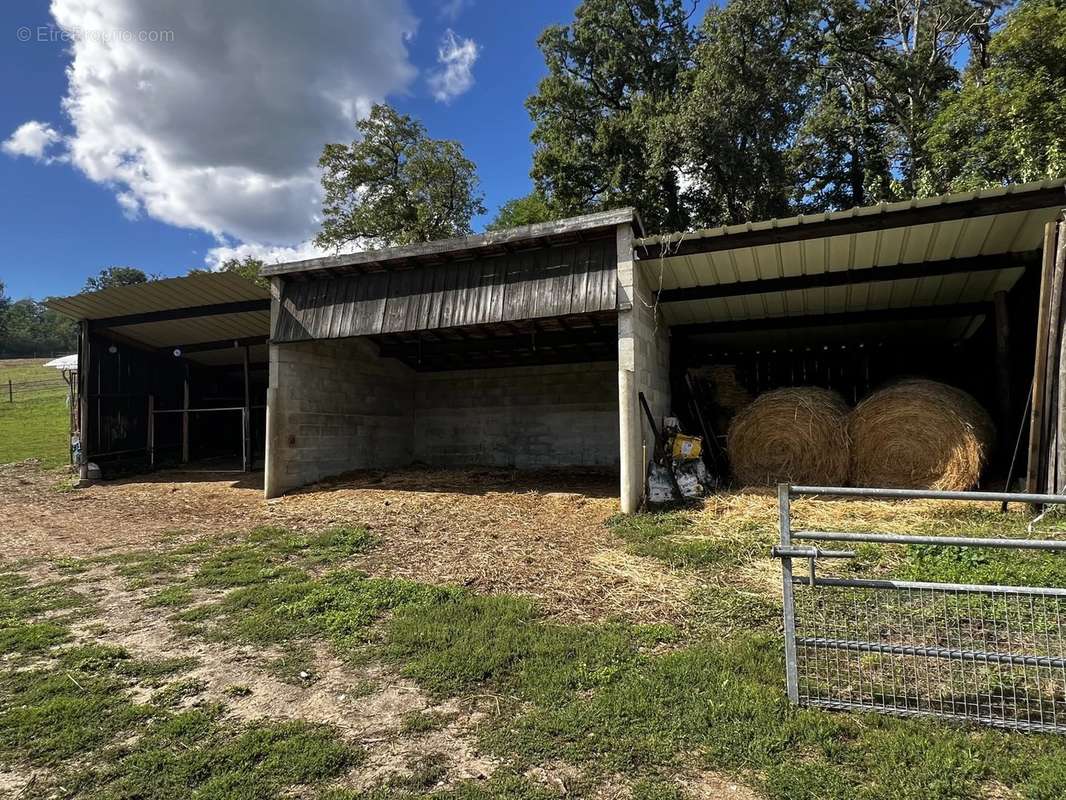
column 948, row 288
column 530, row 347
column 171, row 373
column 499, row 349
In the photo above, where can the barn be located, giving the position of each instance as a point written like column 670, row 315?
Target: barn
column 530, row 347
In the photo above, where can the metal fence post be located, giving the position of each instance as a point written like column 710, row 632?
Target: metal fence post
column 791, row 672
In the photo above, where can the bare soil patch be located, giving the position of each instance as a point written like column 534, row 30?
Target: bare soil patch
column 539, row 533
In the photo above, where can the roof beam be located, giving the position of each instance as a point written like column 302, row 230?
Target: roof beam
column 881, row 220
column 842, row 318
column 531, row 342
column 189, row 312
column 221, row 344
column 865, row 275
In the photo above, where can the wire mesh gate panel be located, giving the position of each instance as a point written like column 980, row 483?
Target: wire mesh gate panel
column 995, row 655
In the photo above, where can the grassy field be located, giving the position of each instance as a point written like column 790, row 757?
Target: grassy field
column 617, row 709
column 35, row 424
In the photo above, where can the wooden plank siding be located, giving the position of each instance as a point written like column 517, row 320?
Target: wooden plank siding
column 554, row 281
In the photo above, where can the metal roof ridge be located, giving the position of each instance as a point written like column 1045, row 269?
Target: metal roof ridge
column 599, row 219
column 881, row 208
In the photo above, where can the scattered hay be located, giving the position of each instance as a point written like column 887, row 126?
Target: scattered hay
column 919, row 434
column 644, row 581
column 798, row 435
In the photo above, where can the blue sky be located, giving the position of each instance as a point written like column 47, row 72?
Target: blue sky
column 61, row 218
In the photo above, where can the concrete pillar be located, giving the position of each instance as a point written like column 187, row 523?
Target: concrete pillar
column 631, row 487
column 643, row 366
column 273, row 444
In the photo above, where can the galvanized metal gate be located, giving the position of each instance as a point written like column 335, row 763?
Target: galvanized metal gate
column 991, row 654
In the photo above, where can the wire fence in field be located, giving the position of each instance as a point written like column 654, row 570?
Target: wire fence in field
column 21, row 391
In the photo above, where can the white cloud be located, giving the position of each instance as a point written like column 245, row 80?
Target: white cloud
column 451, row 9
column 31, row 139
column 456, row 57
column 219, row 125
column 268, row 254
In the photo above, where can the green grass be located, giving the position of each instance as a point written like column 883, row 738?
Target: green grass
column 673, row 538
column 423, row 721
column 72, row 713
column 36, row 424
column 612, row 698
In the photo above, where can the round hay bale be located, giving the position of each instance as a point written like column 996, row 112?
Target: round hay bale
column 919, row 434
column 794, row 435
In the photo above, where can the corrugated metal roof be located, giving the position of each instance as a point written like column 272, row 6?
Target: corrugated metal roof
column 201, row 289
column 175, row 332
column 191, row 291
column 791, row 226
column 862, row 253
column 493, row 242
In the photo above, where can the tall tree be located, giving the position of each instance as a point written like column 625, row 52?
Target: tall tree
column 602, row 116
column 744, row 100
column 115, row 276
column 395, row 185
column 526, row 210
column 886, row 68
column 1008, row 122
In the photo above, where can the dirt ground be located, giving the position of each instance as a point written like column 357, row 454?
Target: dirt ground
column 540, row 533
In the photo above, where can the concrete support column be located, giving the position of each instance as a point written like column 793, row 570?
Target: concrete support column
column 631, row 464
column 643, row 366
column 272, row 444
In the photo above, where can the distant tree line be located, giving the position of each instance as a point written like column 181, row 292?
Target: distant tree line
column 27, row 328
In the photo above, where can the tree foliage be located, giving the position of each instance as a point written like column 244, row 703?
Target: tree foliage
column 28, row 328
column 770, row 108
column 395, row 185
column 115, row 276
column 745, row 98
column 526, row 210
column 247, row 267
column 1008, row 121
column 5, row 303
column 602, row 117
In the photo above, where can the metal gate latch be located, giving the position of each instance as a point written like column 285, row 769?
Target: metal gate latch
column 809, row 552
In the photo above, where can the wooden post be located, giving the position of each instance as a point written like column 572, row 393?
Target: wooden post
column 1037, row 441
column 10, row 392
column 150, row 436
column 1003, row 376
column 83, row 399
column 246, row 417
column 185, row 419
column 1057, row 473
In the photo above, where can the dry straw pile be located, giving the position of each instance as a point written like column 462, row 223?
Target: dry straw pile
column 798, row 435
column 919, row 434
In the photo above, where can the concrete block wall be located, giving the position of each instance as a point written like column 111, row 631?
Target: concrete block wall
column 643, row 366
column 526, row 417
column 335, row 406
